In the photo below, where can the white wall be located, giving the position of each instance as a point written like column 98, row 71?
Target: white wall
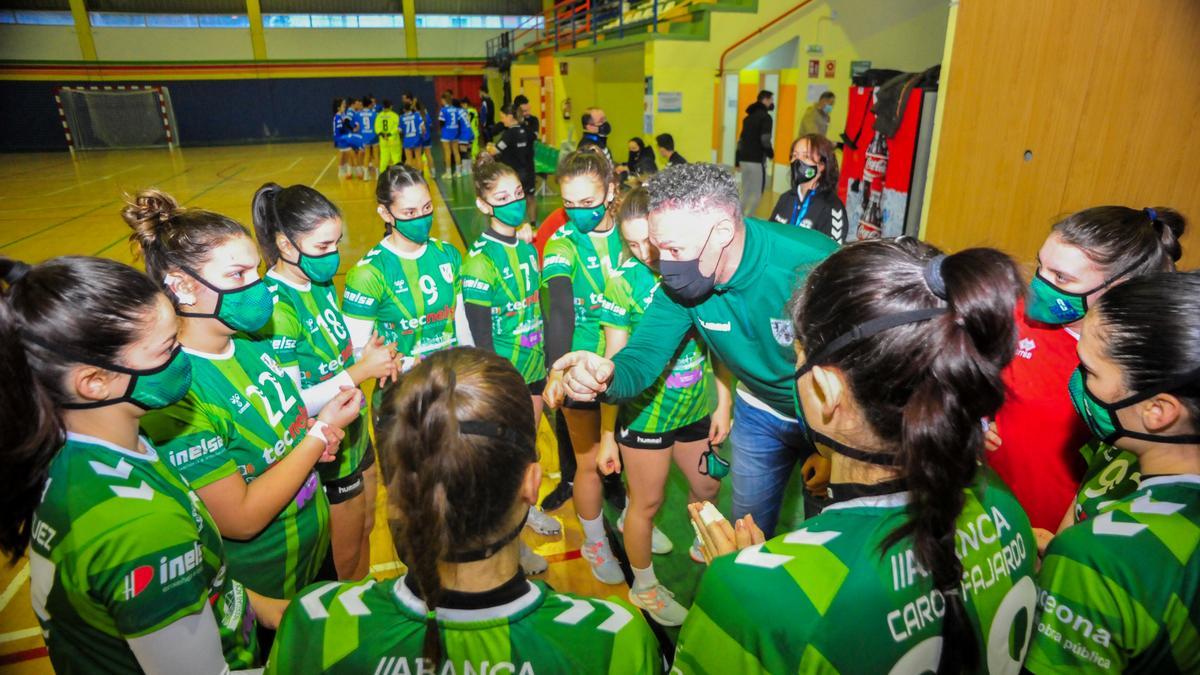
column 39, row 43
column 172, row 44
column 59, row 43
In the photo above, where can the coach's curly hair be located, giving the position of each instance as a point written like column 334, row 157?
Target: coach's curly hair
column 695, row 187
column 450, row 491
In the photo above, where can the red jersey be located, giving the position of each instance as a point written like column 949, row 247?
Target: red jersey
column 1040, row 431
column 552, row 224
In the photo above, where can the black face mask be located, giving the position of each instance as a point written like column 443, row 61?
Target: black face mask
column 604, row 129
column 682, row 278
column 803, row 172
column 856, row 333
column 771, row 108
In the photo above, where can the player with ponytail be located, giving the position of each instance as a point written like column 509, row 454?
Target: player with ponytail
column 241, row 435
column 127, row 567
column 458, row 451
column 900, row 351
column 299, row 233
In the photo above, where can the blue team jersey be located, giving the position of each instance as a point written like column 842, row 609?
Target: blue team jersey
column 337, row 124
column 366, row 122
column 411, row 126
column 448, row 116
column 428, row 132
column 465, row 132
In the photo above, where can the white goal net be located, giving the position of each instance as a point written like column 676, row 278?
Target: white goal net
column 116, row 117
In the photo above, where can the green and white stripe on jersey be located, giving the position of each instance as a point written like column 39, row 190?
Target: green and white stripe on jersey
column 588, row 261
column 121, row 547
column 1121, row 591
column 828, row 599
column 370, row 627
column 411, row 299
column 241, row 416
column 1111, row 475
column 682, row 395
column 506, row 278
column 307, row 331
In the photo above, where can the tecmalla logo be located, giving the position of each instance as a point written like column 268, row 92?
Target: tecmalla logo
column 137, row 581
column 1025, row 348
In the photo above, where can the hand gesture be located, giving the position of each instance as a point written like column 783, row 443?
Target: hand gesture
column 608, row 458
column 717, row 535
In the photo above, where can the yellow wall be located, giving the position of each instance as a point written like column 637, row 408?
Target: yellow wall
column 900, row 34
column 619, row 91
column 335, row 43
column 39, row 43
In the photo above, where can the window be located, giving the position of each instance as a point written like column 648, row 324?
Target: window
column 492, row 21
column 131, row 20
column 117, row 20
column 39, row 18
column 172, row 21
column 223, row 20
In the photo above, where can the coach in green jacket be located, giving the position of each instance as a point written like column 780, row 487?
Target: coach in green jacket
column 730, row 279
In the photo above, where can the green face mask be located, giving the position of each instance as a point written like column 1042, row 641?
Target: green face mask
column 1101, row 418
column 1050, row 304
column 148, row 389
column 243, row 309
column 416, row 229
column 511, row 214
column 586, row 218
column 319, row 268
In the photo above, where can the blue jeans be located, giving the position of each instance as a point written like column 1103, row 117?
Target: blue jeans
column 765, row 450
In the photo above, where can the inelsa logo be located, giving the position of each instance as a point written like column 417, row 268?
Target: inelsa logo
column 137, row 581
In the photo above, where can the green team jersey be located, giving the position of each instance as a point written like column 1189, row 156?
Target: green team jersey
column 824, row 599
column 370, row 627
column 241, row 416
column 1119, row 590
column 744, row 323
column 506, row 278
column 307, row 331
column 1111, row 475
column 121, row 547
column 588, row 261
column 387, row 128
column 411, row 299
column 682, row 394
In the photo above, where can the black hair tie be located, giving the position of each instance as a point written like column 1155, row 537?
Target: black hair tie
column 933, row 276
column 16, row 272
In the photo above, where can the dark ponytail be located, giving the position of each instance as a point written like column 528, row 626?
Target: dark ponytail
column 1126, row 241
column 928, row 403
column 451, row 491
column 292, row 211
column 1151, row 327
column 92, row 307
column 397, row 178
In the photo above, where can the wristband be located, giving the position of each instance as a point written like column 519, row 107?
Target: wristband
column 318, row 431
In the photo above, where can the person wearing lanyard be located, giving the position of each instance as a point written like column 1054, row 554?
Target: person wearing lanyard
column 731, row 279
column 813, row 201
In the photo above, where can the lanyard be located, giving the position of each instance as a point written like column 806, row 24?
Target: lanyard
column 800, row 210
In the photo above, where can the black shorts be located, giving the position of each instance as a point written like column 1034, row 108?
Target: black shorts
column 572, row 404
column 528, row 181
column 536, row 388
column 640, row 440
column 347, row 488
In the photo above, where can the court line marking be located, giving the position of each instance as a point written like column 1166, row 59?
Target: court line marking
column 14, row 586
column 189, row 200
column 20, row 634
column 322, row 174
column 94, row 180
column 58, row 224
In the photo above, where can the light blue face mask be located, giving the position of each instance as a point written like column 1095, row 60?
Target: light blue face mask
column 828, row 108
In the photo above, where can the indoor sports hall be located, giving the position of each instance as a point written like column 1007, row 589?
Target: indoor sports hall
column 958, row 123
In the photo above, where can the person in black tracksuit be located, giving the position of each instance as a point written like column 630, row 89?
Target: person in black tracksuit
column 813, row 201
column 666, row 148
column 514, row 147
column 754, row 150
column 487, row 116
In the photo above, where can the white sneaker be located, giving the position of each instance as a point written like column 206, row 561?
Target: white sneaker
column 604, row 565
column 660, row 603
column 695, row 553
column 660, row 543
column 447, row 176
column 366, row 174
column 543, row 524
column 532, row 563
